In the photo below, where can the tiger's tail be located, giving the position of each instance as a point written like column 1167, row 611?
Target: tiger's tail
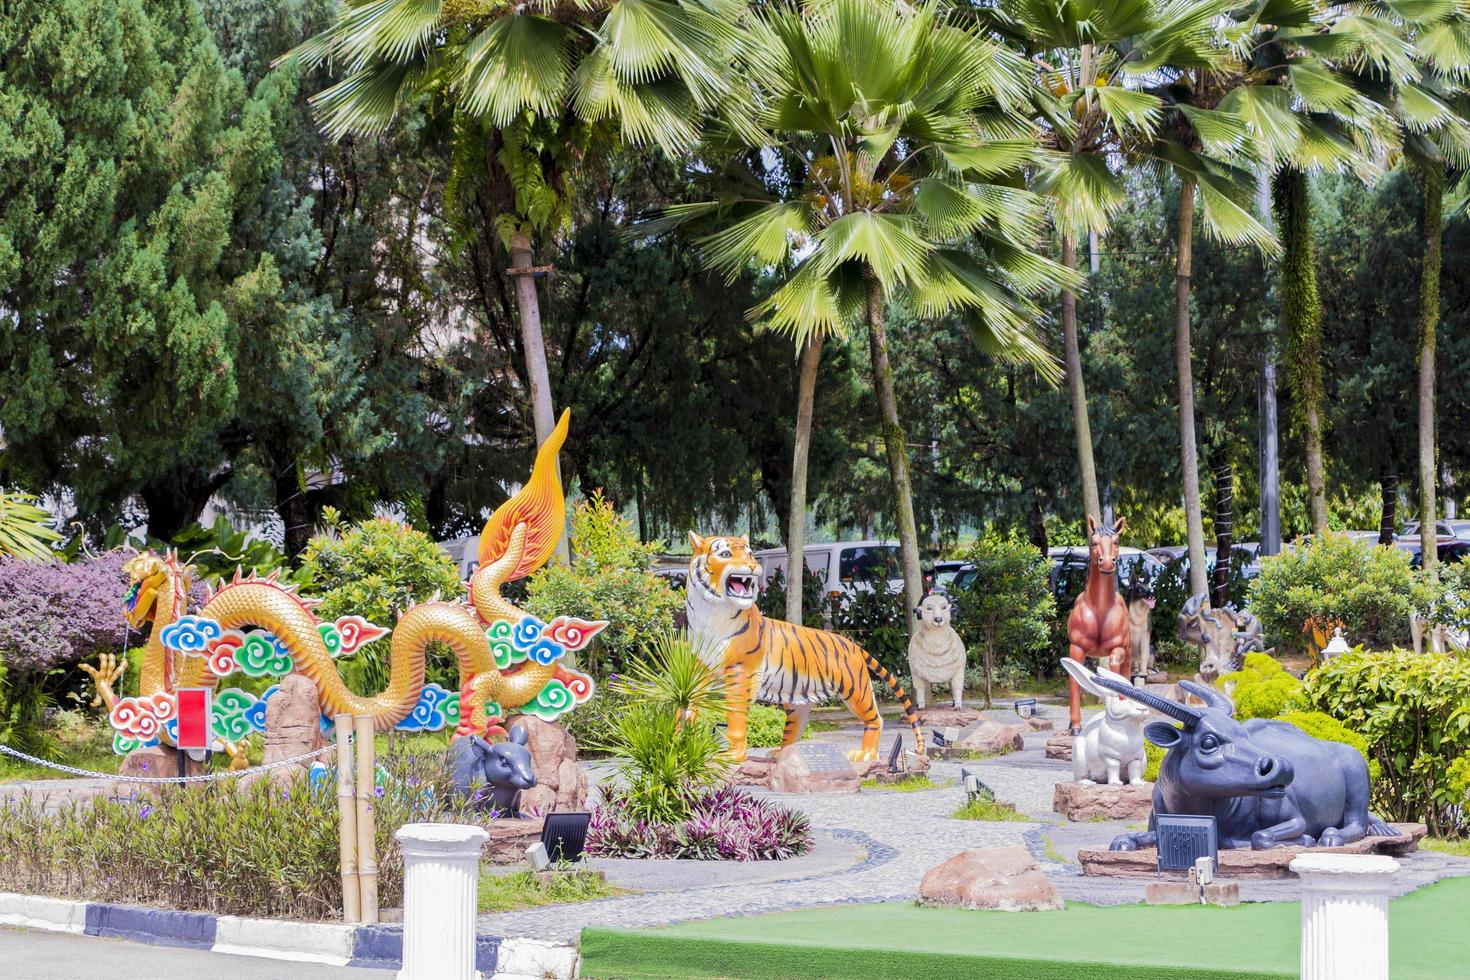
column 910, row 714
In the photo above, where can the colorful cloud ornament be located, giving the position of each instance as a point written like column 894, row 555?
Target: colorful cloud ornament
column 429, row 715
column 349, row 634
column 190, row 634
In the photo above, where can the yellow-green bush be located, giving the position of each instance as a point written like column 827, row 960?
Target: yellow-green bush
column 1262, row 688
column 765, row 725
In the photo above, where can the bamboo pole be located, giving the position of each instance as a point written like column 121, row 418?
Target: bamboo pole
column 367, row 852
column 347, row 821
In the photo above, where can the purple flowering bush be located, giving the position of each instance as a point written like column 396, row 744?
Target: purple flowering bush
column 52, row 617
column 723, row 825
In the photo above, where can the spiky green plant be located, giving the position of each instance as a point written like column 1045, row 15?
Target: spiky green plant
column 24, row 531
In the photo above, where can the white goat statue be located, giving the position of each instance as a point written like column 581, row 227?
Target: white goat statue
column 1111, row 742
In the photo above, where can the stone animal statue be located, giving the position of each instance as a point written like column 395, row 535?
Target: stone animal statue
column 936, row 652
column 505, row 768
column 774, row 662
column 1111, row 744
column 1098, row 623
column 1140, row 633
column 1266, row 782
column 1223, row 635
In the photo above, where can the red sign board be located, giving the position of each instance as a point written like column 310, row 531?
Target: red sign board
column 194, row 729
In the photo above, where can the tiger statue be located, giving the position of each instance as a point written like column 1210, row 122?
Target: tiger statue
column 772, row 661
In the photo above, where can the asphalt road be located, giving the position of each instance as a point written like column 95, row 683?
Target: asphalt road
column 27, row 955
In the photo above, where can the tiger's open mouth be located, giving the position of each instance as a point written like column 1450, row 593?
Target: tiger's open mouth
column 740, row 586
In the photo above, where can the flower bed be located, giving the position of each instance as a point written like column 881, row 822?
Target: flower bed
column 723, row 825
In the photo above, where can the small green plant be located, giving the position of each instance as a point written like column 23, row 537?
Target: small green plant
column 992, row 810
column 1261, row 688
column 610, row 578
column 910, row 784
column 530, row 889
column 1050, row 848
column 25, row 531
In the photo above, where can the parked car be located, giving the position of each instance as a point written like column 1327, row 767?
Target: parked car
column 845, row 567
column 1447, row 528
column 1245, row 556
column 1450, row 551
column 1069, row 570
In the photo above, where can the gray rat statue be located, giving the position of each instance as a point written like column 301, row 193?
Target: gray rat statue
column 505, row 767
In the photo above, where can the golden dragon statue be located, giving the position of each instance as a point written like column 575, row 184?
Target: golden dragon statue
column 507, row 659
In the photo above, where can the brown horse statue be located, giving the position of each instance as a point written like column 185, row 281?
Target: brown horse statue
column 1098, row 624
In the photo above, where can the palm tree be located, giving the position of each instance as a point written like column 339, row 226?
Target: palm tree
column 1415, row 62
column 1088, row 53
column 897, row 141
column 538, row 75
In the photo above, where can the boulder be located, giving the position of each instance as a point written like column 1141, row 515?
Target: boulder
column 992, row 738
column 947, row 717
column 561, row 784
column 509, row 838
column 1083, row 801
column 754, row 771
column 791, row 774
column 292, row 727
column 155, row 762
column 1002, row 878
column 1243, row 863
column 1059, row 746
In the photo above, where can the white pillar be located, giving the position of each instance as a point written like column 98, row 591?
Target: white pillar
column 1345, row 915
column 441, row 878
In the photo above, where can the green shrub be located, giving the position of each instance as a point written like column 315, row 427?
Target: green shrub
column 814, row 599
column 1320, row 725
column 1334, row 577
column 877, row 620
column 1006, row 610
column 1155, row 758
column 765, row 726
column 378, row 570
column 1413, row 710
column 609, row 579
column 1262, row 688
column 668, row 750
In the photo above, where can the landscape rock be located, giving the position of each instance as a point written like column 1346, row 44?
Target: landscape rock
column 995, row 739
column 1083, row 802
column 947, row 717
column 1187, row 893
column 292, row 727
column 1059, row 746
column 509, row 838
column 561, row 784
column 1002, row 878
column 155, row 762
column 1243, row 863
column 791, row 774
column 754, row 771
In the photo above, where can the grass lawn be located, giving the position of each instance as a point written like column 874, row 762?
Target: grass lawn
column 528, row 890
column 912, row 784
column 1259, row 941
column 1459, row 848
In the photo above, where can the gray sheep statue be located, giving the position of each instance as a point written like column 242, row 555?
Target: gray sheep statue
column 505, row 768
column 1266, row 782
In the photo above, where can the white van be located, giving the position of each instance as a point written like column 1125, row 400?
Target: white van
column 842, row 566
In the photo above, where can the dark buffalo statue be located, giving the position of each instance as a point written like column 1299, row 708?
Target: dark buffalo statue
column 1267, row 783
column 504, row 766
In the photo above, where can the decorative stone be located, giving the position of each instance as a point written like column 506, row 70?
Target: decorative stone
column 292, row 727
column 947, row 717
column 754, row 771
column 813, row 767
column 1243, row 863
column 156, row 762
column 1059, row 746
column 560, row 782
column 441, row 876
column 1002, row 878
column 1084, row 802
column 993, row 739
column 1345, row 915
column 509, row 838
column 1187, row 893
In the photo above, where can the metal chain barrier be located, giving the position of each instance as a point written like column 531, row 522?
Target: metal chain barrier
column 206, row 778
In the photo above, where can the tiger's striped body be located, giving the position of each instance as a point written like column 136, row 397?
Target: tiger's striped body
column 772, row 661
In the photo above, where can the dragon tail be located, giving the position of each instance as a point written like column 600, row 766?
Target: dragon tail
column 910, row 714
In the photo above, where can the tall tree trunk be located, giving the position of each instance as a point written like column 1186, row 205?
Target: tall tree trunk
column 1433, row 179
column 1224, row 527
column 898, row 460
column 1194, row 520
column 1270, row 462
column 806, row 397
column 1301, row 315
column 528, row 305
column 1388, row 493
column 291, row 508
column 1077, row 390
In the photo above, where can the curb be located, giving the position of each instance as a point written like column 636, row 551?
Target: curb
column 377, row 947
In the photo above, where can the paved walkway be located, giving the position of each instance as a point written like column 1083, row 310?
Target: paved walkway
column 876, row 845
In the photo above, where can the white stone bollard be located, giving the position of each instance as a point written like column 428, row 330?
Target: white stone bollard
column 1345, row 915
column 441, row 878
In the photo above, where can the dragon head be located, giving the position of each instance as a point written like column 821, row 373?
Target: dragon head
column 155, row 580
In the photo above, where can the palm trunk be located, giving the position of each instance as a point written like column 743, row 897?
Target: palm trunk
column 528, row 304
column 1301, row 314
column 1388, row 494
column 1224, row 528
column 1428, row 325
column 1194, row 520
column 1078, row 390
column 806, row 396
column 898, row 461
